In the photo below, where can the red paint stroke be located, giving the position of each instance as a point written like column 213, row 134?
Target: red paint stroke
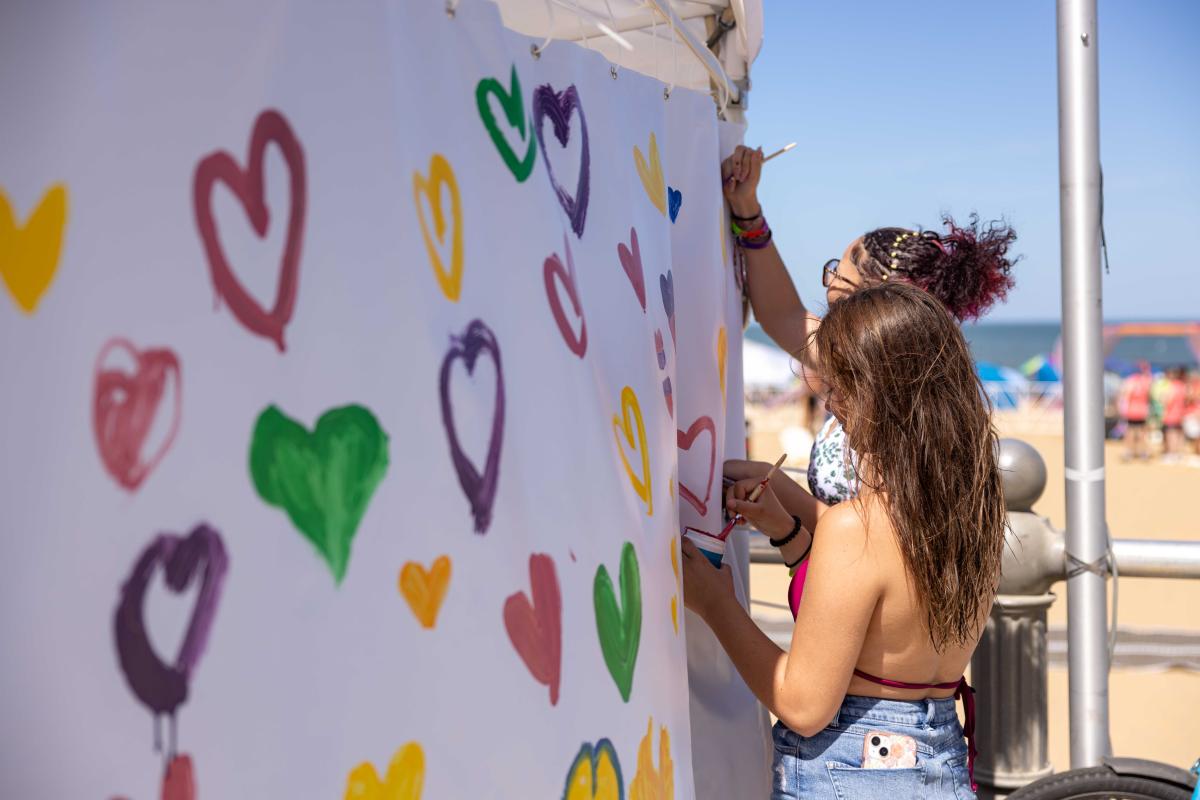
column 685, row 440
column 124, row 407
column 659, row 350
column 631, row 262
column 535, row 629
column 248, row 187
column 179, row 782
column 553, row 268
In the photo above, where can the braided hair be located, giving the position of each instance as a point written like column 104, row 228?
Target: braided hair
column 967, row 268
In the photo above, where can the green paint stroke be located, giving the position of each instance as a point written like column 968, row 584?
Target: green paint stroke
column 514, row 111
column 620, row 628
column 324, row 479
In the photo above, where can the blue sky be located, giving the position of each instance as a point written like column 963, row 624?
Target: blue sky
column 905, row 110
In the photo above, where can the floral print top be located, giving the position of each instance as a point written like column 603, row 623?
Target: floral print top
column 831, row 476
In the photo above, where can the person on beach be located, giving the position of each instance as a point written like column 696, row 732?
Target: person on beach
column 967, row 268
column 1134, row 407
column 900, row 580
column 1174, row 402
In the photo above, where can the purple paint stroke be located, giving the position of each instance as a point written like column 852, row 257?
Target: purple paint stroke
column 558, row 107
column 479, row 489
column 666, row 285
column 161, row 687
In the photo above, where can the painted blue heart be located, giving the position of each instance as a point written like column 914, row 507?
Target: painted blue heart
column 674, row 201
column 558, row 107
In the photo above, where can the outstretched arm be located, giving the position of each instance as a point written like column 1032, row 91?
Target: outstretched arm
column 777, row 305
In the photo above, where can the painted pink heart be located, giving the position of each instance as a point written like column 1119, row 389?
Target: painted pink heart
column 535, row 628
column 631, row 261
column 124, row 407
column 685, row 440
column 247, row 185
column 553, row 269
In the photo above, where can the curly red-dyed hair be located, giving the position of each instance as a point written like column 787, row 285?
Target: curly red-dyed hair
column 967, row 267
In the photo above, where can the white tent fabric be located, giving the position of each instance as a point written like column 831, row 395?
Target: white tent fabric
column 656, row 51
column 766, row 367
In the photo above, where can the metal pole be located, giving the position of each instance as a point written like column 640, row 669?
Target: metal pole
column 1079, row 178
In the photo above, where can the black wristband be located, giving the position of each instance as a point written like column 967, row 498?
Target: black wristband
column 736, row 218
column 795, row 532
column 803, row 556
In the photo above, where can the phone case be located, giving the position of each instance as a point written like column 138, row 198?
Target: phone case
column 883, row 750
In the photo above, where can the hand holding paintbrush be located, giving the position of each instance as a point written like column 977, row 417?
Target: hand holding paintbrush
column 753, row 497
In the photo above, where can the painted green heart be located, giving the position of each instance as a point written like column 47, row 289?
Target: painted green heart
column 514, row 111
column 620, row 628
column 324, row 479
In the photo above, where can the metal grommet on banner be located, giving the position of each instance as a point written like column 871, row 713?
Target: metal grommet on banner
column 452, row 8
column 612, row 70
column 536, row 50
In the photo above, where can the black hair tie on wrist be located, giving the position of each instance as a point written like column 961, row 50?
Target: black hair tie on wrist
column 795, row 532
column 751, row 218
column 803, row 556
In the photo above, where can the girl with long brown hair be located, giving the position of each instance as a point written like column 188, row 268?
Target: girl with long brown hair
column 900, row 579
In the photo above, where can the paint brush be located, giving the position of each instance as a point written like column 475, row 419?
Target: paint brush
column 779, row 152
column 754, row 495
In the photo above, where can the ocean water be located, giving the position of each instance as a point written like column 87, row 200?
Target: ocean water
column 1011, row 344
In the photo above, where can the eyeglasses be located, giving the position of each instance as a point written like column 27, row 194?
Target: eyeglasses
column 829, row 272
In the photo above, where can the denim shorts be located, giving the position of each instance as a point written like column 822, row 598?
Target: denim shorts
column 829, row 764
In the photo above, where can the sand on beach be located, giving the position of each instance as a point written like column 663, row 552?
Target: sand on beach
column 1154, row 713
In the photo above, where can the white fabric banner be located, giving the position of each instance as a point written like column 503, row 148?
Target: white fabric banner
column 356, row 364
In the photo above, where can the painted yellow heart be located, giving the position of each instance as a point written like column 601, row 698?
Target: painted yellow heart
column 441, row 174
column 595, row 774
column 652, row 176
column 650, row 783
column 621, row 425
column 722, row 348
column 404, row 779
column 29, row 253
column 425, row 589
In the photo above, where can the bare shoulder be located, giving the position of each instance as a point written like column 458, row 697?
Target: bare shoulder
column 849, row 535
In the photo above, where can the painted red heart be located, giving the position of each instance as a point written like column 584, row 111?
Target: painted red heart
column 552, row 269
column 685, row 441
column 124, row 407
column 179, row 782
column 247, row 186
column 535, row 629
column 631, row 261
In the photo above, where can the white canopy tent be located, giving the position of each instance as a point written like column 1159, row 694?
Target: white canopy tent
column 766, row 367
column 667, row 39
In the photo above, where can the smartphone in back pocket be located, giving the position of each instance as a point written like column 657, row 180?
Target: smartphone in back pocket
column 883, row 750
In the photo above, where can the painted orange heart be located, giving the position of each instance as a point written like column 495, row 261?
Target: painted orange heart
column 404, row 780
column 652, row 175
column 441, row 174
column 425, row 589
column 623, row 428
column 650, row 783
column 29, row 253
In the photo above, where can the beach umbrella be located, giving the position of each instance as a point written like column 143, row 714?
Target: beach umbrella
column 1003, row 385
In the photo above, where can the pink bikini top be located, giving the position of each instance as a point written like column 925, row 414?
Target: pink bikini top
column 962, row 690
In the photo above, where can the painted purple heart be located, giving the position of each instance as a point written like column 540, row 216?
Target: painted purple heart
column 558, row 107
column 479, row 489
column 666, row 284
column 659, row 350
column 667, row 395
column 674, row 201
column 161, row 687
